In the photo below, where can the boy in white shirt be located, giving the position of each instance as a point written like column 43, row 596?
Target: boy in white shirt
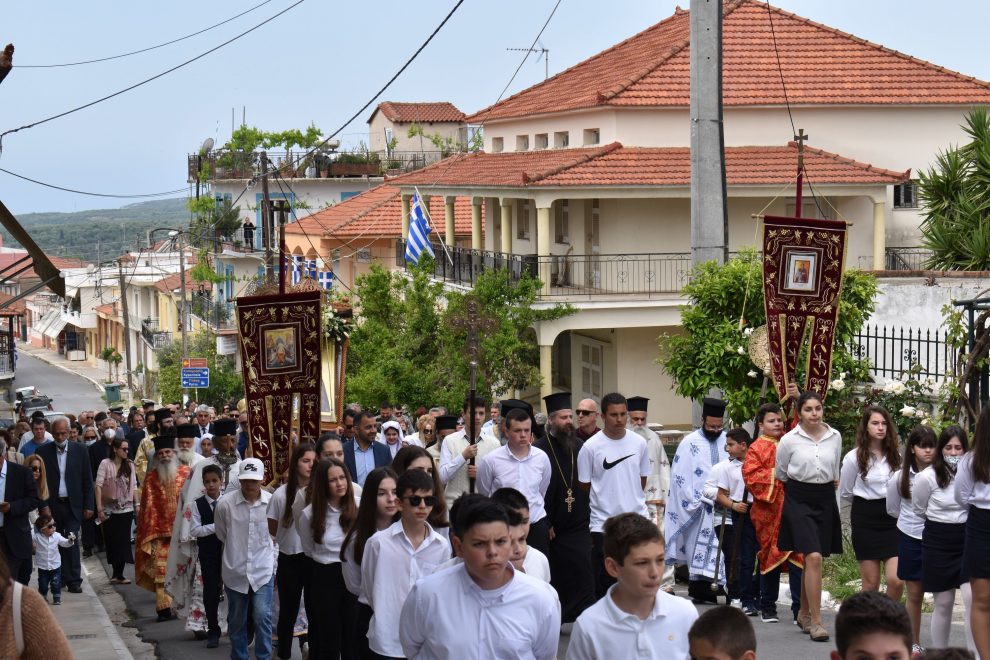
column 613, row 466
column 634, row 619
column 396, row 557
column 726, row 491
column 524, row 557
column 49, row 560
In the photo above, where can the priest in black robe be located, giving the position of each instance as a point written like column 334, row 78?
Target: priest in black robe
column 568, row 510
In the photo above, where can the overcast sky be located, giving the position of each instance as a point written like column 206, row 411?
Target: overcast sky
column 319, row 63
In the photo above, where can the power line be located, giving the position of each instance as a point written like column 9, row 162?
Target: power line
column 164, row 193
column 148, row 80
column 143, row 50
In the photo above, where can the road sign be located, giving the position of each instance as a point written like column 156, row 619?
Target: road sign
column 195, row 376
column 200, row 363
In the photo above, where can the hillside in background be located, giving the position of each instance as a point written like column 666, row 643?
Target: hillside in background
column 101, row 234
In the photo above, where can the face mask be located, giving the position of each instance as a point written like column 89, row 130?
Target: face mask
column 952, row 461
column 109, row 434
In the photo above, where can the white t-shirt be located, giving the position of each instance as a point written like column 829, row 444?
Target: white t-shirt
column 614, row 468
column 604, row 631
column 287, row 538
column 728, row 475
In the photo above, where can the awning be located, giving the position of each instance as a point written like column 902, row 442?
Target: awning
column 55, row 327
column 45, row 321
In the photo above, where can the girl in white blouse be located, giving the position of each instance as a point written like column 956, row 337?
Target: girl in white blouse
column 933, row 498
column 808, row 464
column 973, row 491
column 919, row 451
column 322, row 526
column 866, row 469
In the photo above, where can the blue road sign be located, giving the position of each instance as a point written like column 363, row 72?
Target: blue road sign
column 195, row 377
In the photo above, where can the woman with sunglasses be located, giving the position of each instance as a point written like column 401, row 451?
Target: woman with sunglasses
column 37, row 467
column 943, row 540
column 116, row 501
column 426, row 436
column 321, row 526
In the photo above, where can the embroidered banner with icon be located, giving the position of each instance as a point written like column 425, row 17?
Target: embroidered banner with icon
column 280, row 338
column 802, row 277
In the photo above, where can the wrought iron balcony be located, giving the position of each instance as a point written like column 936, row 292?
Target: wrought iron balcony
column 155, row 337
column 906, row 258
column 570, row 276
column 221, row 164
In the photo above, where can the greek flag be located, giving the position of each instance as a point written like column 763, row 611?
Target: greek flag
column 419, row 231
column 326, row 279
column 311, row 268
column 296, row 268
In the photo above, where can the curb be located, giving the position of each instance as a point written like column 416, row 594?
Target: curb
column 94, row 575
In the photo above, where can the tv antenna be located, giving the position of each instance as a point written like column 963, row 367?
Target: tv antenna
column 544, row 54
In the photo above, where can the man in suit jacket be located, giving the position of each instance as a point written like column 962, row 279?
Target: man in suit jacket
column 18, row 496
column 203, row 423
column 363, row 454
column 70, row 484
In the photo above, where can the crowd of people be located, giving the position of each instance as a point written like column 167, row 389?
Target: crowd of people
column 398, row 536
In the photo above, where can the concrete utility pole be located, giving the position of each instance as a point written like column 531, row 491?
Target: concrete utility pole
column 127, row 326
column 709, row 214
column 182, row 293
column 266, row 220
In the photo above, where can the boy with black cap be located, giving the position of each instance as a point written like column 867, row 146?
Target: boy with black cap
column 445, row 425
column 613, row 466
column 457, row 450
column 688, row 520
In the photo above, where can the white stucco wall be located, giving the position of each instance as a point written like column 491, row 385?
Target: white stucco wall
column 314, row 193
column 910, row 303
column 400, row 131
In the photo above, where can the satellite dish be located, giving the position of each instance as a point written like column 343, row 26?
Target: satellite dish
column 207, row 146
column 333, row 144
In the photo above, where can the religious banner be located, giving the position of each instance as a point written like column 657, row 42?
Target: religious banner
column 803, row 262
column 280, row 353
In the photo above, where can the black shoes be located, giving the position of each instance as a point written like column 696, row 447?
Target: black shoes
column 74, row 589
column 213, row 640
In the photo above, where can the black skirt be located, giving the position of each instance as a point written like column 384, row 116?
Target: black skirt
column 975, row 564
column 810, row 519
column 874, row 533
column 909, row 559
column 117, row 536
column 942, row 556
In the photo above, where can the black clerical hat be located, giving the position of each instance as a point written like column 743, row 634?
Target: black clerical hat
column 225, row 427
column 186, row 431
column 637, row 403
column 165, row 440
column 162, row 413
column 446, row 423
column 557, row 401
column 712, row 407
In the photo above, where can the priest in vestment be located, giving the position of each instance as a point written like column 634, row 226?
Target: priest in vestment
column 658, row 483
column 688, row 520
column 183, row 577
column 159, row 500
column 568, row 510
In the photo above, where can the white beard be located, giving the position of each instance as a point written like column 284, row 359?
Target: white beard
column 166, row 471
column 186, row 456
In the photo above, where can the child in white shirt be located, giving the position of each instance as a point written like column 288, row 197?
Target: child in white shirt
column 49, row 560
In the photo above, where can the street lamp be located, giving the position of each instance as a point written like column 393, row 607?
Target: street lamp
column 176, row 237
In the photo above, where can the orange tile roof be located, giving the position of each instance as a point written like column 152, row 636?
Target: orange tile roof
column 377, row 211
column 431, row 112
column 13, row 309
column 615, row 165
column 820, row 65
column 109, row 309
column 173, row 282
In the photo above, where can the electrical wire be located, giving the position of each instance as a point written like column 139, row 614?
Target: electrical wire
column 143, row 50
column 148, row 80
column 164, row 193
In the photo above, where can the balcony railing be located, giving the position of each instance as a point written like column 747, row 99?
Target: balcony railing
column 245, row 165
column 155, row 337
column 572, row 276
column 906, row 258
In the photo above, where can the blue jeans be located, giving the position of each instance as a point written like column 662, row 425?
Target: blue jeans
column 770, row 589
column 746, row 583
column 237, row 613
column 51, row 578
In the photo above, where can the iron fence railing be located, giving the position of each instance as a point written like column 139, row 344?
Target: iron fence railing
column 156, row 338
column 906, row 258
column 571, row 276
column 247, row 164
column 894, row 350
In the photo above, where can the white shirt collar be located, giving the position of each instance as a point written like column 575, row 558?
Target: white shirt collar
column 618, row 615
column 470, row 586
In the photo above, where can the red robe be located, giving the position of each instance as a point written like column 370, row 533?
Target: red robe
column 154, row 532
column 759, row 473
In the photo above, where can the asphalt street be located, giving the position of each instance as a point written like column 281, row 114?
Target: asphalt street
column 72, row 393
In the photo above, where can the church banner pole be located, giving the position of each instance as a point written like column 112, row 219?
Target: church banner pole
column 471, row 422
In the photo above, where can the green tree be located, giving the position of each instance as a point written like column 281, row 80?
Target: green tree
column 405, row 349
column 955, row 192
column 710, row 351
column 225, row 379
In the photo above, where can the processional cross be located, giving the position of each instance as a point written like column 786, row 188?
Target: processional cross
column 472, row 321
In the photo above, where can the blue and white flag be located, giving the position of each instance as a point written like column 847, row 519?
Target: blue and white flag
column 326, row 279
column 311, row 269
column 296, row 268
column 419, row 231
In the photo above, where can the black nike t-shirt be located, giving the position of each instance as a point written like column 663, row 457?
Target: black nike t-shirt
column 613, row 468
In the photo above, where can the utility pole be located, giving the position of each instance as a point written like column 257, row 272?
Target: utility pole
column 709, row 214
column 266, row 219
column 182, row 293
column 127, row 326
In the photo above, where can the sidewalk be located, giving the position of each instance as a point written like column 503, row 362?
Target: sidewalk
column 94, row 375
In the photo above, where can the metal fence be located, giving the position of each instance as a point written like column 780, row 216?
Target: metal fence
column 222, row 164
column 569, row 275
column 893, row 351
column 906, row 258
